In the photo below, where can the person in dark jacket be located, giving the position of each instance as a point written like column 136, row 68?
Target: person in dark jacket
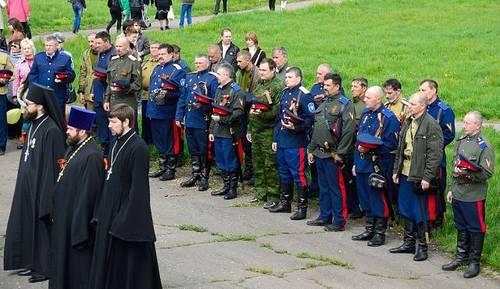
column 115, row 11
column 418, row 158
column 253, row 47
column 229, row 50
column 162, row 8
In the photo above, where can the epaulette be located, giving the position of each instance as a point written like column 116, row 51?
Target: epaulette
column 115, row 57
column 213, row 73
column 235, row 86
column 387, row 112
column 443, row 105
column 343, row 100
column 405, row 102
column 365, row 110
column 482, row 144
column 132, row 57
column 177, row 66
column 304, row 90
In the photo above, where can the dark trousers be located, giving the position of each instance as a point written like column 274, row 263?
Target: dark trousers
column 166, row 136
column 217, row 5
column 469, row 216
column 332, row 191
column 146, row 123
column 136, row 13
column 116, row 17
column 272, row 5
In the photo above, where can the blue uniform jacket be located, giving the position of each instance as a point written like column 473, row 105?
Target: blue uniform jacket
column 44, row 69
column 369, row 123
column 99, row 85
column 184, row 65
column 446, row 121
column 196, row 81
column 177, row 76
column 298, row 137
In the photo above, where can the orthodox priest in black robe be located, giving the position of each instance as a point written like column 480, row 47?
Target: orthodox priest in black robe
column 27, row 241
column 124, row 253
column 77, row 187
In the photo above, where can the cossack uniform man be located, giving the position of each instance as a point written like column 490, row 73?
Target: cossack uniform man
column 377, row 137
column 193, row 111
column 226, row 131
column 445, row 117
column 331, row 143
column 166, row 86
column 473, row 165
column 53, row 69
column 290, row 140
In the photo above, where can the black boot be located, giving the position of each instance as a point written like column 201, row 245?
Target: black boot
column 476, row 248
column 248, row 175
column 369, row 230
column 195, row 173
column 301, row 212
column 233, row 186
column 462, row 257
column 162, row 162
column 285, row 203
column 170, row 172
column 379, row 237
column 205, row 174
column 421, row 253
column 408, row 245
column 226, row 179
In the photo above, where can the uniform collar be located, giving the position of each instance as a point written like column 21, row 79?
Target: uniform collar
column 435, row 102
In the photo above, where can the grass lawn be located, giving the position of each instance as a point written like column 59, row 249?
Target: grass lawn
column 451, row 41
column 57, row 15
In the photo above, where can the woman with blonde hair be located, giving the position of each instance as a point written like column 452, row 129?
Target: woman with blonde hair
column 252, row 44
column 22, row 69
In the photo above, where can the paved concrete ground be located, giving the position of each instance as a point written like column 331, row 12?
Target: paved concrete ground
column 247, row 247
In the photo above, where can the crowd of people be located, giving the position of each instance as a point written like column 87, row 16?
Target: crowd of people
column 81, row 213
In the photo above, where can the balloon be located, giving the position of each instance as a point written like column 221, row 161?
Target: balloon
column 13, row 115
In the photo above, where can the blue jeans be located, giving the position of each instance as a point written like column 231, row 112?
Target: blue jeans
column 78, row 9
column 186, row 10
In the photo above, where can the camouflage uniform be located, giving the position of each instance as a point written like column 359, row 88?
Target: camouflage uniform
column 261, row 127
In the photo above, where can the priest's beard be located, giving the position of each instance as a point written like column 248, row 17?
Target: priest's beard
column 72, row 140
column 29, row 116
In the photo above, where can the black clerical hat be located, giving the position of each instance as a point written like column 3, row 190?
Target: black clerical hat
column 43, row 95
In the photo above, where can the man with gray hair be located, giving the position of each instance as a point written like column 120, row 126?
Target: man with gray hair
column 53, row 69
column 416, row 166
column 280, row 57
column 473, row 165
column 214, row 54
column 226, row 130
column 377, row 137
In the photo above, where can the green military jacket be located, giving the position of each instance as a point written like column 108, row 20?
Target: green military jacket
column 251, row 80
column 359, row 105
column 126, row 67
column 473, row 186
column 427, row 149
column 148, row 65
column 229, row 96
column 334, row 128
column 87, row 73
column 282, row 72
column 5, row 63
column 265, row 120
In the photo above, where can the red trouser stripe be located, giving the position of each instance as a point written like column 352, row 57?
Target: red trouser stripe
column 480, row 213
column 210, row 153
column 177, row 144
column 431, row 202
column 239, row 150
column 302, row 167
column 384, row 201
column 343, row 192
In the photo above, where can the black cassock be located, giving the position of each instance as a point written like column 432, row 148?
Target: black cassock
column 124, row 252
column 74, row 201
column 27, row 242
